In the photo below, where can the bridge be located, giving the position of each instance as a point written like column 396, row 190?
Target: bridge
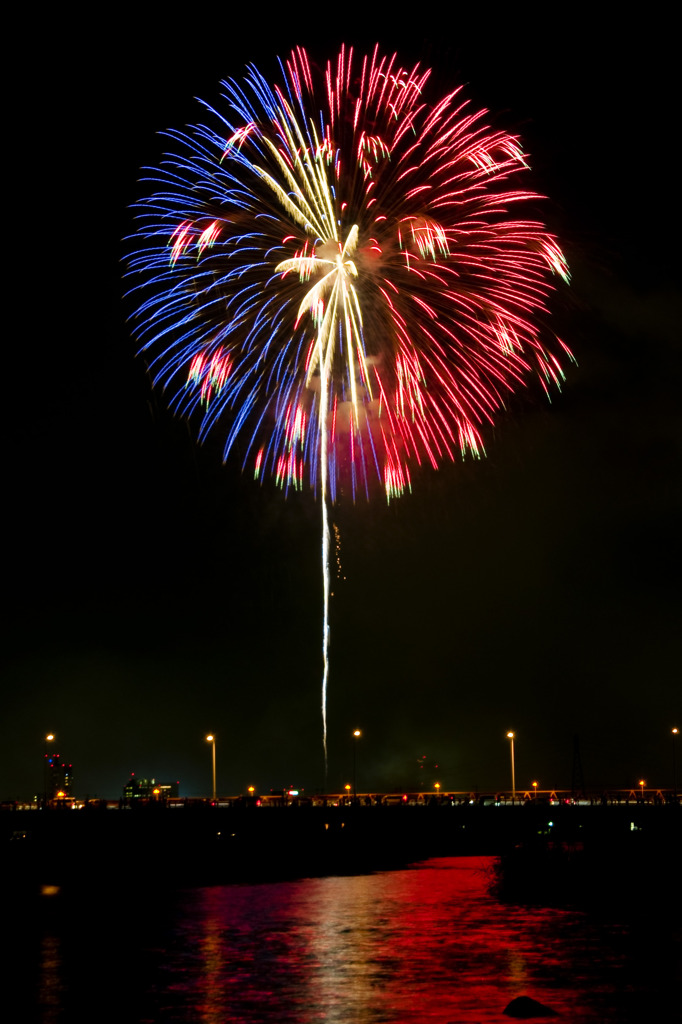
column 405, row 798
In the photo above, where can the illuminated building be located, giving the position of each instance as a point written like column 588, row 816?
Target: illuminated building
column 148, row 789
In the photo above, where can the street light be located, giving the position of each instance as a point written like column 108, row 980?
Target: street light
column 675, row 734
column 510, row 737
column 642, row 784
column 535, row 790
column 211, row 739
column 48, row 739
column 356, row 736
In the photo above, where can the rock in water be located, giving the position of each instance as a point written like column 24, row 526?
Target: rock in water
column 524, row 1007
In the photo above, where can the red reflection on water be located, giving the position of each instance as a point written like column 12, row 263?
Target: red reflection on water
column 422, row 945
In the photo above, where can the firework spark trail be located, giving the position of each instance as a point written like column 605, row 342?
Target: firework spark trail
column 325, row 585
column 329, row 267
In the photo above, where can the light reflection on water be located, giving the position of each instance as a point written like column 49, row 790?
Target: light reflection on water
column 428, row 944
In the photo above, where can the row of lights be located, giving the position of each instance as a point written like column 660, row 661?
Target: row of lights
column 641, row 783
column 210, row 738
column 510, row 736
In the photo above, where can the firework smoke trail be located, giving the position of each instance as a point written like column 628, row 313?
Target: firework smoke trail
column 330, row 268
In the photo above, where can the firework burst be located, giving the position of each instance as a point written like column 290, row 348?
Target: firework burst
column 335, row 271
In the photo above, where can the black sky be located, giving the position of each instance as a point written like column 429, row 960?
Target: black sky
column 155, row 594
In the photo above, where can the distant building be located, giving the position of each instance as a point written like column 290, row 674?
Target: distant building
column 148, row 789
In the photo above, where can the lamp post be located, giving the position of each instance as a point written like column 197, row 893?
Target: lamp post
column 675, row 734
column 642, row 784
column 356, row 736
column 211, row 739
column 510, row 737
column 535, row 790
column 48, row 739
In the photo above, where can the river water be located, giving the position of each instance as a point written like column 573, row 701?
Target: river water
column 425, row 945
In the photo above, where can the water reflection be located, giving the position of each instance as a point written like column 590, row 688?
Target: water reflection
column 51, row 988
column 419, row 945
column 424, row 945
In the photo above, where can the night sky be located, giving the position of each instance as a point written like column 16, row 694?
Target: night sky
column 154, row 594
